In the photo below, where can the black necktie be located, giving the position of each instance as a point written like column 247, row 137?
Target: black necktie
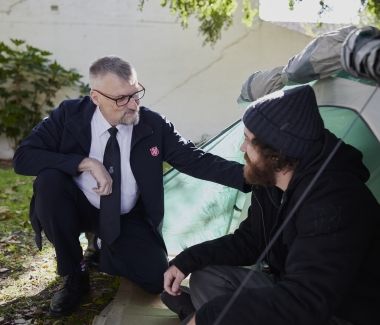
column 109, row 217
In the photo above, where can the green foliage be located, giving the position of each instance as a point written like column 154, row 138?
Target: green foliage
column 323, row 6
column 29, row 81
column 213, row 15
column 249, row 13
column 15, row 193
column 373, row 6
column 372, row 9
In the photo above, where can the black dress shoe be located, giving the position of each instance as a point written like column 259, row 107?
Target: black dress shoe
column 180, row 304
column 68, row 297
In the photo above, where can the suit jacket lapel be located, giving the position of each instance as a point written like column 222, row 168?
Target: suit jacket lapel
column 80, row 125
column 140, row 131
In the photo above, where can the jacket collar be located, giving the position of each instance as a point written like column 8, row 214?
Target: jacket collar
column 142, row 129
column 80, row 123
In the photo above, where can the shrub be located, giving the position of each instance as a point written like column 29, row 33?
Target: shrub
column 29, row 81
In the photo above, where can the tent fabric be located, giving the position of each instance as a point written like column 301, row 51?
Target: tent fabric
column 197, row 210
column 353, row 93
column 360, row 54
column 261, row 83
column 318, row 60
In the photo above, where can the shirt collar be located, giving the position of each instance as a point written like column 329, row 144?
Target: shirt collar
column 101, row 123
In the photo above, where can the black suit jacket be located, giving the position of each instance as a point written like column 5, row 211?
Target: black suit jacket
column 63, row 140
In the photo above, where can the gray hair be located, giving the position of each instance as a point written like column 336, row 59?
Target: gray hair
column 112, row 64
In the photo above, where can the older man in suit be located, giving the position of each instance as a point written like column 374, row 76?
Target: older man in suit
column 98, row 162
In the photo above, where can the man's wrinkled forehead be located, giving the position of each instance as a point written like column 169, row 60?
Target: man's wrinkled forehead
column 112, row 79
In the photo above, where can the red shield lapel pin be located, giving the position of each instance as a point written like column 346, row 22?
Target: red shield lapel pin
column 154, row 151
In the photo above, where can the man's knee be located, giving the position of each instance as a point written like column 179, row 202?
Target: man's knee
column 50, row 178
column 54, row 198
column 153, row 287
column 153, row 280
column 206, row 284
column 202, row 278
column 50, row 181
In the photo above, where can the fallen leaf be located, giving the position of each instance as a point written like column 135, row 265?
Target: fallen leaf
column 3, row 270
column 13, row 241
column 4, row 209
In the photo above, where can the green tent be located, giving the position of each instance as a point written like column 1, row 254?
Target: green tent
column 196, row 210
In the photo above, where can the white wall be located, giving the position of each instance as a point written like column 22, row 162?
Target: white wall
column 195, row 86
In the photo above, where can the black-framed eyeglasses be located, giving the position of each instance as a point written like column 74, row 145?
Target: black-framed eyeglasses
column 124, row 100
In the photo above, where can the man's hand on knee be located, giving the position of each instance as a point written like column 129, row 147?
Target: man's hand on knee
column 173, row 277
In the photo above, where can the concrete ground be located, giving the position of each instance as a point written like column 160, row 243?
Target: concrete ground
column 133, row 306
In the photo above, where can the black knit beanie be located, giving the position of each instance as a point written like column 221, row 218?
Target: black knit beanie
column 287, row 120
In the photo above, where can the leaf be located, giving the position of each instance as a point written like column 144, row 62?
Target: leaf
column 4, row 217
column 9, row 191
column 5, row 213
column 12, row 241
column 4, row 209
column 17, row 42
column 3, row 270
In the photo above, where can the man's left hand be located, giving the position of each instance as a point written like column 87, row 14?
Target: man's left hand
column 173, row 277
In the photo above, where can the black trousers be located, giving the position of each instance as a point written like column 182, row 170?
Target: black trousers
column 64, row 213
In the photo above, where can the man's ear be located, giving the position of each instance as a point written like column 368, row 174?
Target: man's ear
column 94, row 97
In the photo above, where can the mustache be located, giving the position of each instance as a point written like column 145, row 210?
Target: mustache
column 128, row 110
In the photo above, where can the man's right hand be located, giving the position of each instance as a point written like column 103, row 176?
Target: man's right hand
column 99, row 172
column 173, row 277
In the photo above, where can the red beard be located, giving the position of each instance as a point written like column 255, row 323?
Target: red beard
column 259, row 173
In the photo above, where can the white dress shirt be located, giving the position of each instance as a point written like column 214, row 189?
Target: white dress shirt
column 99, row 138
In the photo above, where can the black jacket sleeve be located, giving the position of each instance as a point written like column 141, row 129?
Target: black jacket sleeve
column 40, row 150
column 239, row 248
column 187, row 158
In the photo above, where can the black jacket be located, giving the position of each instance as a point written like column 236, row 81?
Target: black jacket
column 63, row 140
column 326, row 261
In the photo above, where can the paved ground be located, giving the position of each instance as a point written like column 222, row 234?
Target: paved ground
column 133, row 306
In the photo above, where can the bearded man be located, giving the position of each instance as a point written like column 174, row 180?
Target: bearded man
column 98, row 162
column 323, row 268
